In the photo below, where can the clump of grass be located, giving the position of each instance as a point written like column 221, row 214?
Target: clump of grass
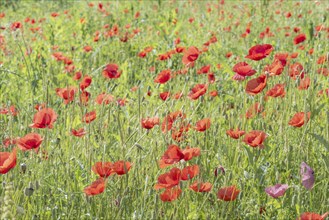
column 7, row 203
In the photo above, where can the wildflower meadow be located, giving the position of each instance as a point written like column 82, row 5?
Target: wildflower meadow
column 164, row 109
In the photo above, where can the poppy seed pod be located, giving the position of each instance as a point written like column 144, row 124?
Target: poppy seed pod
column 37, row 184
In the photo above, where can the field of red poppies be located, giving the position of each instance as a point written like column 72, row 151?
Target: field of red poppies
column 164, row 110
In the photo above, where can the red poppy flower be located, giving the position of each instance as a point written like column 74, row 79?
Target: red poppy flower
column 322, row 59
column 97, row 187
column 255, row 86
column 9, row 141
column 190, row 56
column 4, row 111
column 13, row 111
column 89, row 117
column 203, row 124
column 142, row 54
column 274, row 69
column 259, row 52
column 213, row 39
column 77, row 76
column 85, row 82
column 197, row 91
column 180, row 49
column 189, row 153
column 277, row 190
column 304, row 83
column 229, row 193
column 255, row 138
column 294, row 55
column 168, row 180
column 54, row 14
column 211, row 78
column 253, row 110
column 313, row 216
column 111, row 71
column 87, row 48
column 235, row 134
column 104, row 99
column 282, row 57
column 276, row 91
column 163, row 77
column 177, row 95
column 323, row 71
column 213, row 93
column 30, row 141
column 204, row 70
column 298, row 120
column 164, row 95
column 322, row 92
column 148, row 49
column 170, row 119
column 164, row 56
column 84, row 97
column 58, row 56
column 7, row 161
column 44, row 118
column 38, row 107
column 69, row 68
column 122, row 102
column 238, row 77
column 228, row 54
column 66, row 93
column 149, row 123
column 78, row 133
column 171, row 194
column 244, row 69
column 179, row 134
column 134, row 88
column 201, row 187
column 295, row 70
column 189, row 172
column 16, row 25
column 121, row 167
column 103, row 169
column 172, row 155
column 299, row 39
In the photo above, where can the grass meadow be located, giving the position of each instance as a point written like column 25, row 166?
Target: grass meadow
column 130, row 109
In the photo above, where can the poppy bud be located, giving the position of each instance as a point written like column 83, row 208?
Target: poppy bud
column 23, row 167
column 37, row 184
column 28, row 191
column 219, row 169
column 262, row 210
